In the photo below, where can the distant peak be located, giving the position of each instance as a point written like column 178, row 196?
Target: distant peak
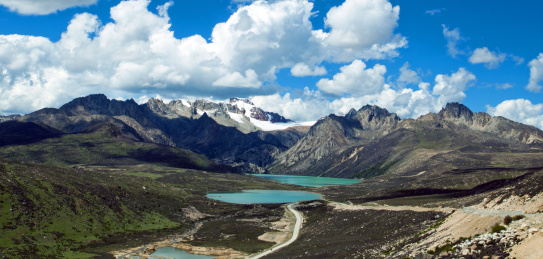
column 245, row 100
column 373, row 108
column 456, row 110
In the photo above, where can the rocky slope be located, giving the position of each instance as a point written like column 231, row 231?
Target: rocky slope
column 372, row 142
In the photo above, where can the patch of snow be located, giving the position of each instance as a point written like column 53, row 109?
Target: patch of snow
column 200, row 111
column 185, row 103
column 237, row 117
column 269, row 126
column 243, row 105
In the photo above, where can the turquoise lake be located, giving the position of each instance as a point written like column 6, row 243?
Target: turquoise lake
column 309, row 181
column 264, row 196
column 170, row 252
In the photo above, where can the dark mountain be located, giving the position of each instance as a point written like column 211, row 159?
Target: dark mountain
column 372, row 142
column 14, row 132
column 155, row 122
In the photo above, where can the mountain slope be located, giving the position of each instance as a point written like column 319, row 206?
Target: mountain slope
column 106, row 144
column 15, row 132
column 333, row 135
column 156, row 122
column 364, row 145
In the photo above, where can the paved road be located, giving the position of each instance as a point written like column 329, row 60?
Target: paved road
column 295, row 233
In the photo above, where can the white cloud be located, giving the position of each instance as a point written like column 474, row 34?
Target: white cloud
column 517, row 59
column 406, row 102
column 491, row 59
column 520, row 110
column 453, row 37
column 451, row 88
column 42, row 7
column 302, row 69
column 536, row 74
column 310, row 106
column 361, row 24
column 236, row 79
column 137, row 52
column 355, row 80
column 504, row 86
column 363, row 30
column 407, row 76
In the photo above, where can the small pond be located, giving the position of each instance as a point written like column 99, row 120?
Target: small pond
column 264, row 196
column 170, row 252
column 310, row 181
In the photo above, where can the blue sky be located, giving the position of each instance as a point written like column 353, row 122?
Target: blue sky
column 303, row 59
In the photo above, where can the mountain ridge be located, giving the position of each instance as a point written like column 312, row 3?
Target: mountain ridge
column 364, row 143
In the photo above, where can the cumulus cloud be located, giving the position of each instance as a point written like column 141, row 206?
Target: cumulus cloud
column 451, row 88
column 536, row 74
column 236, row 79
column 406, row 102
column 310, row 106
column 352, row 30
column 453, row 37
column 302, row 69
column 43, row 7
column 362, row 29
column 137, row 52
column 520, row 110
column 355, row 80
column 491, row 59
column 407, row 76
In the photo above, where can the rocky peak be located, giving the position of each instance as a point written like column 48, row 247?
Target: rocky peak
column 99, row 104
column 88, row 105
column 158, row 106
column 456, row 111
column 244, row 100
column 373, row 117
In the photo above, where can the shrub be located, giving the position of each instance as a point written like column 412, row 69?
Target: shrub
column 498, row 228
column 518, row 217
column 507, row 220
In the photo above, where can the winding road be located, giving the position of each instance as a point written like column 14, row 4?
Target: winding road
column 295, row 233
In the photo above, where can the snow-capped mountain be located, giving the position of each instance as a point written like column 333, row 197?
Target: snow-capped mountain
column 237, row 112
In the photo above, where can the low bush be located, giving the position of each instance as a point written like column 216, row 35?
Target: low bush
column 498, row 228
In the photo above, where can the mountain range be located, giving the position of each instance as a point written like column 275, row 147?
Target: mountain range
column 364, row 143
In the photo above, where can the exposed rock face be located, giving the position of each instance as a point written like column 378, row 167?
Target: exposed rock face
column 372, row 141
column 460, row 115
column 334, row 134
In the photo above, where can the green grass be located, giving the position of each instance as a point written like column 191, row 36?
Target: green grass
column 145, row 174
column 99, row 148
column 376, row 170
column 47, row 210
column 497, row 228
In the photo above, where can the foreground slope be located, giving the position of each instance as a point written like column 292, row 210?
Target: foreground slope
column 105, row 144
